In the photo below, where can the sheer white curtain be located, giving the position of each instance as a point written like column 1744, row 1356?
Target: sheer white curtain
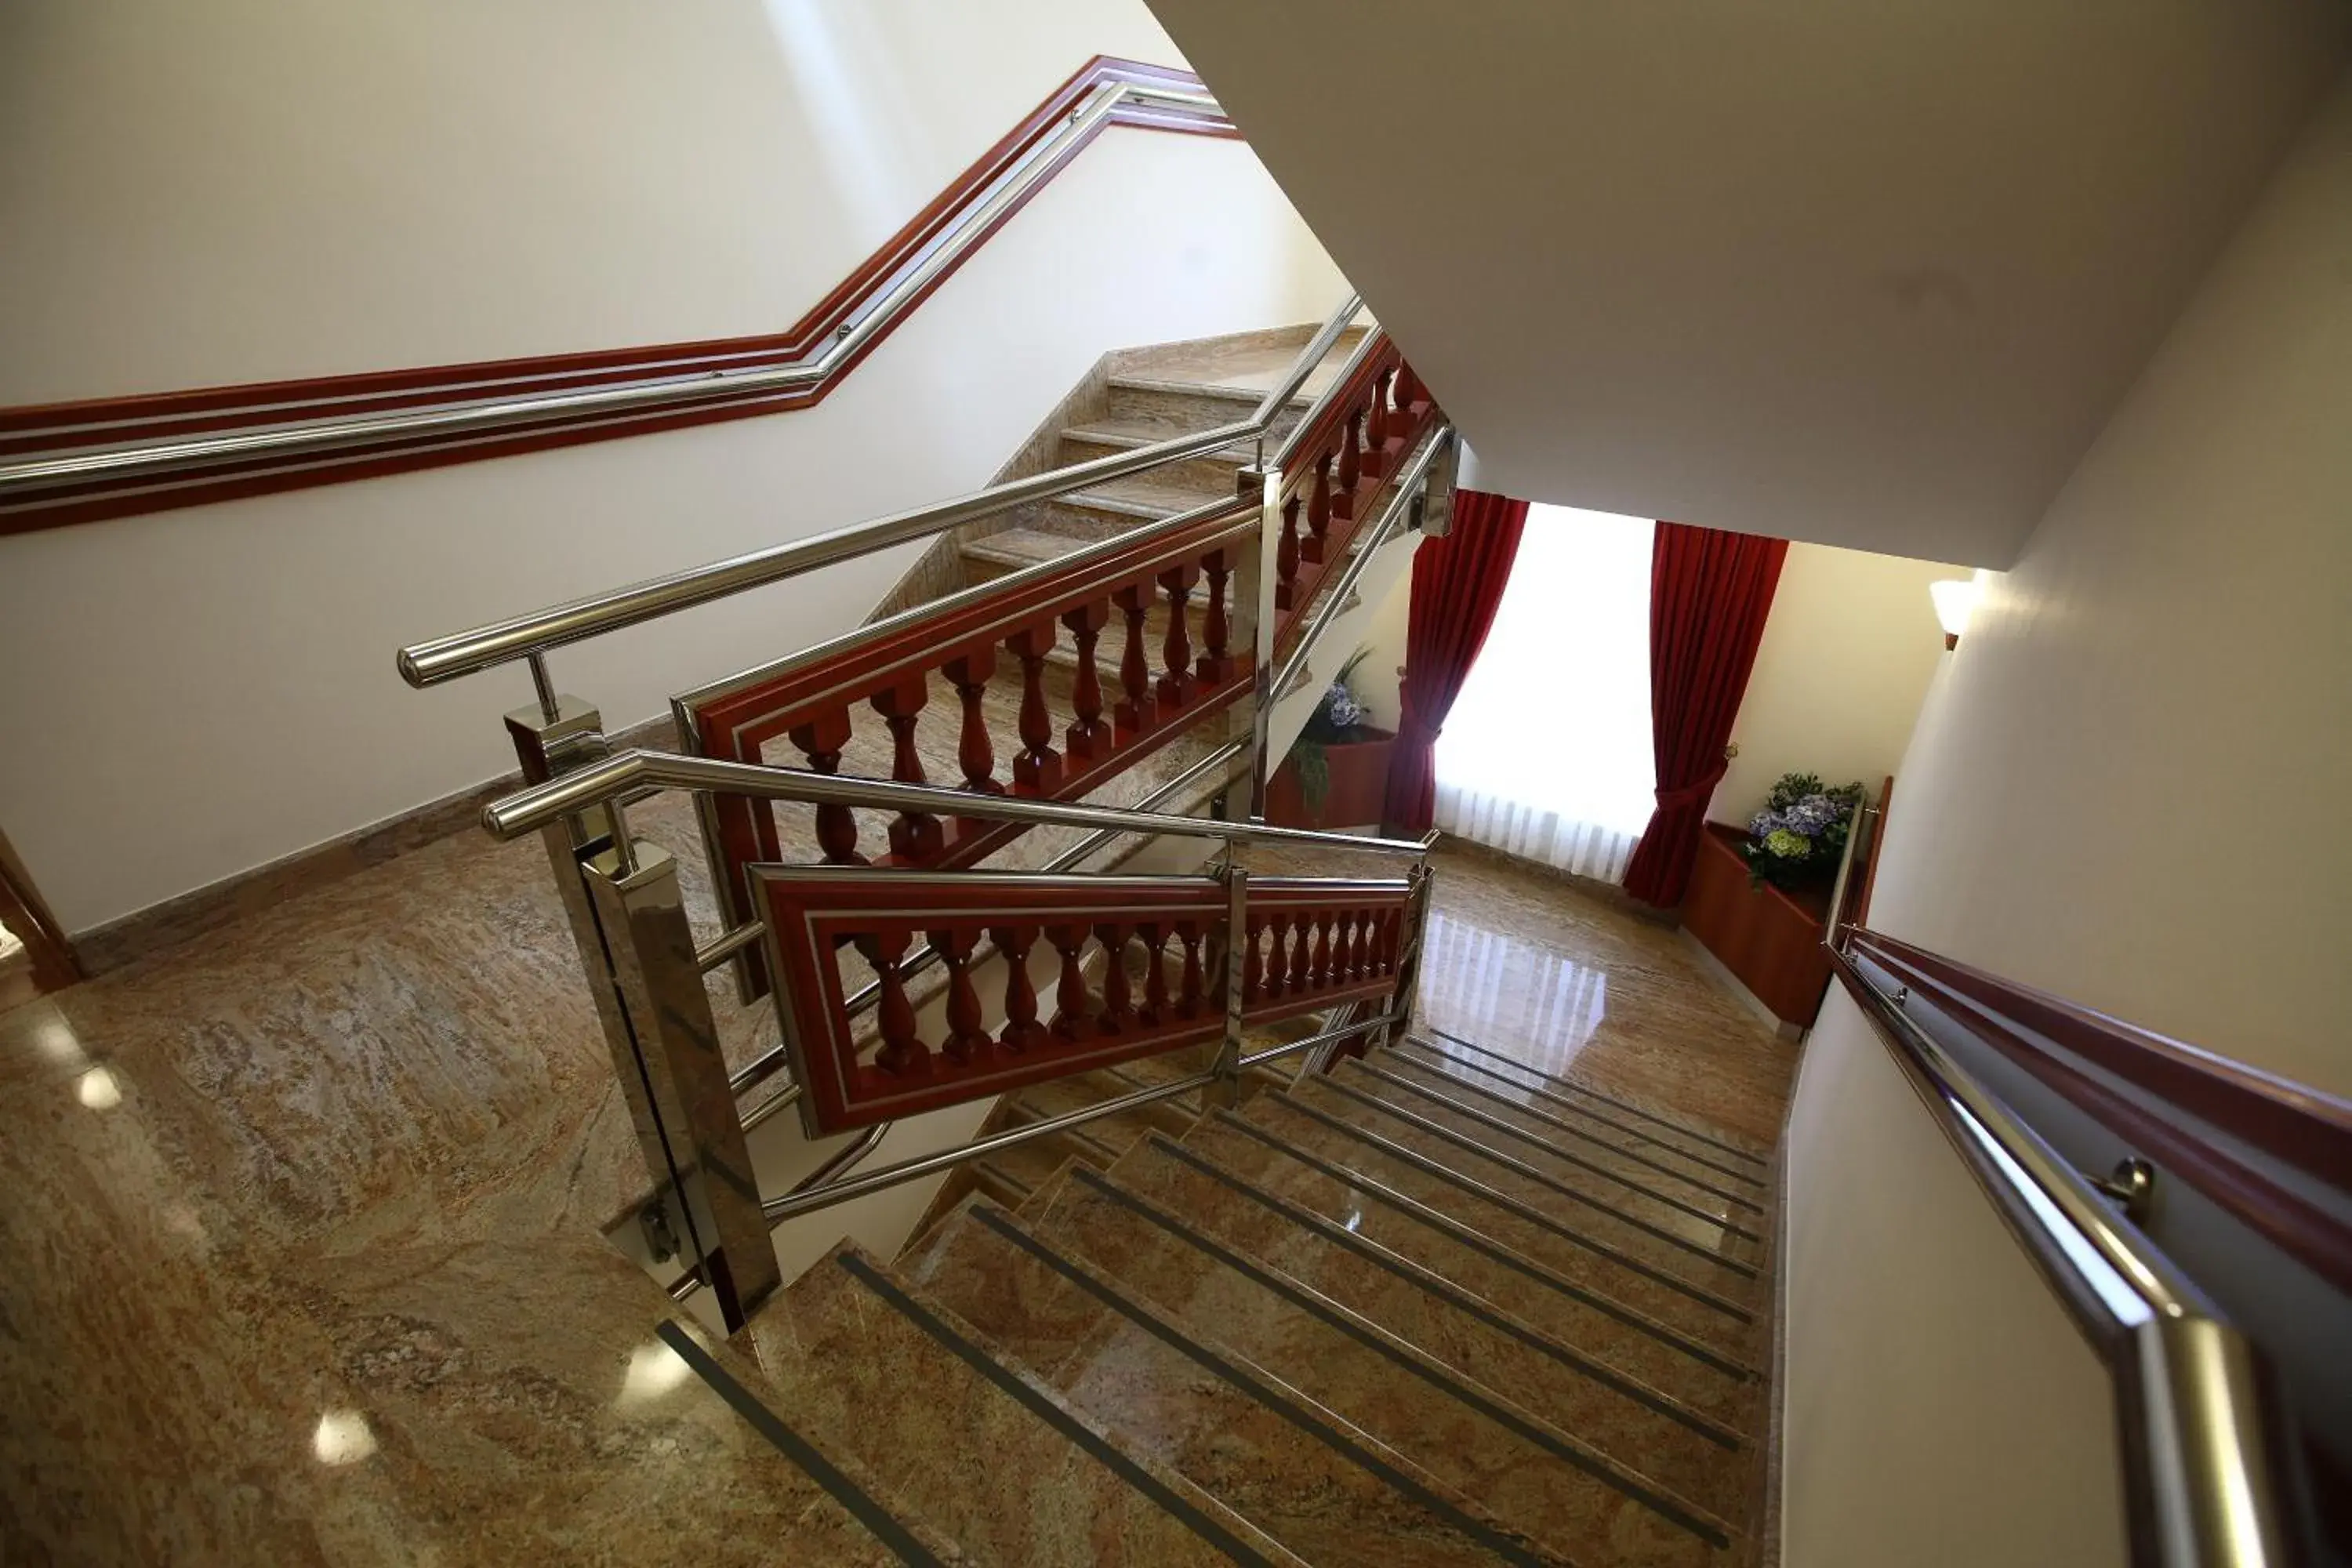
column 1547, row 754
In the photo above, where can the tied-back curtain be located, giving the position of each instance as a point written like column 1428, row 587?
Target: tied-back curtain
column 1709, row 594
column 1457, row 582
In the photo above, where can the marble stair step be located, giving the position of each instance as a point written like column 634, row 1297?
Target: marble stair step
column 1173, row 407
column 1346, row 1188
column 1557, row 1490
column 1109, row 437
column 1596, row 1263
column 1692, row 1131
column 873, row 1369
column 1306, row 1477
column 1648, row 1432
column 1719, row 1168
column 1663, row 1238
column 1099, row 1142
column 1557, row 1144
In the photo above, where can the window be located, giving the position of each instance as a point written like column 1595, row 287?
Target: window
column 1547, row 752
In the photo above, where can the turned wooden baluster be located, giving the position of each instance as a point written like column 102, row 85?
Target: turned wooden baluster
column 975, row 749
column 1408, row 390
column 1089, row 737
column 1137, row 709
column 1277, row 967
column 1020, row 1030
column 1318, row 974
column 1155, row 973
column 1252, row 966
column 915, row 835
column 837, row 826
column 902, row 1051
column 1188, row 990
column 1376, row 429
column 1318, row 509
column 1286, row 554
column 1176, row 654
column 1070, row 1001
column 1038, row 769
column 1118, row 997
column 1352, row 466
column 1302, row 957
column 1217, row 663
column 1343, row 947
column 1391, row 940
column 966, row 1039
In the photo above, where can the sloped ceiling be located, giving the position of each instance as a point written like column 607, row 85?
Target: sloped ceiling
column 1863, row 273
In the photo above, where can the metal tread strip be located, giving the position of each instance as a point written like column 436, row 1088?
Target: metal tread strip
column 1523, row 1210
column 1461, row 1300
column 878, row 1521
column 1476, row 1241
column 1521, row 1168
column 1488, row 1119
column 1013, row 1384
column 1243, row 1376
column 1420, row 1051
column 1559, row 1444
column 1628, row 1107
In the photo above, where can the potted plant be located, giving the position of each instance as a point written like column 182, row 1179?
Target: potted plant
column 1797, row 840
column 1340, row 761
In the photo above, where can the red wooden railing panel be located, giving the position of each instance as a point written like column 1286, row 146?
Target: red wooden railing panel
column 815, row 704
column 828, row 930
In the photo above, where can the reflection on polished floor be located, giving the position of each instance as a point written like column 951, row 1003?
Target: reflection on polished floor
column 303, row 1251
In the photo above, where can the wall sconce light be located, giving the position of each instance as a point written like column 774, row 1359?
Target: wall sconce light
column 1954, row 597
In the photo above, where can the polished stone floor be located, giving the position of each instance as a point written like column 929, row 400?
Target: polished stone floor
column 301, row 1256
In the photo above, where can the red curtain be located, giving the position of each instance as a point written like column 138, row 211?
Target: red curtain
column 1457, row 581
column 1709, row 594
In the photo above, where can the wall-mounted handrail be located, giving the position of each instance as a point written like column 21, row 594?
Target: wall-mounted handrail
column 624, row 772
column 2197, row 1429
column 483, row 647
column 916, row 276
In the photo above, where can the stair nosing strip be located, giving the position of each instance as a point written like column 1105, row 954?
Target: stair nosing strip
column 1444, row 1289
column 1581, row 1163
column 1526, row 1211
column 1468, row 1236
column 1011, row 1384
column 1631, row 1110
column 879, row 1521
column 1522, row 1168
column 1487, row 1535
column 1451, row 1060
column 1566, row 1449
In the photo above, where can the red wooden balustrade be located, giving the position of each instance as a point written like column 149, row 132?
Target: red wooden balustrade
column 1064, row 745
column 1139, row 969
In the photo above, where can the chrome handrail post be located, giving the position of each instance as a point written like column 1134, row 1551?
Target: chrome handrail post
column 1224, row 1089
column 1263, row 576
column 673, row 1039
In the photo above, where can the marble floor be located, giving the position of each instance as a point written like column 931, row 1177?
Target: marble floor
column 300, row 1258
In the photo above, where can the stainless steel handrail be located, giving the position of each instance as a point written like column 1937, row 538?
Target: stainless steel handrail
column 2200, row 1428
column 482, row 647
column 615, row 777
column 916, row 274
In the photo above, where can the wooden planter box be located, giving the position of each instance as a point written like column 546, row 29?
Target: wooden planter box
column 1770, row 938
column 1360, row 786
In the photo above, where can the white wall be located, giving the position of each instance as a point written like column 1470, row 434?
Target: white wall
column 1847, row 655
column 204, row 195
column 2128, row 787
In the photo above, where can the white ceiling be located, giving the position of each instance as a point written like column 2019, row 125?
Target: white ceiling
column 1865, row 273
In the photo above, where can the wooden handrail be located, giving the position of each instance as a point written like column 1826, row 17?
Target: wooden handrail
column 2291, row 1123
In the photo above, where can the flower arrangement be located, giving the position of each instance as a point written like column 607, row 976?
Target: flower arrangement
column 1336, row 719
column 1800, row 835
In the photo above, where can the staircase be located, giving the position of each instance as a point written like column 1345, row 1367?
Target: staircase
column 1436, row 1307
